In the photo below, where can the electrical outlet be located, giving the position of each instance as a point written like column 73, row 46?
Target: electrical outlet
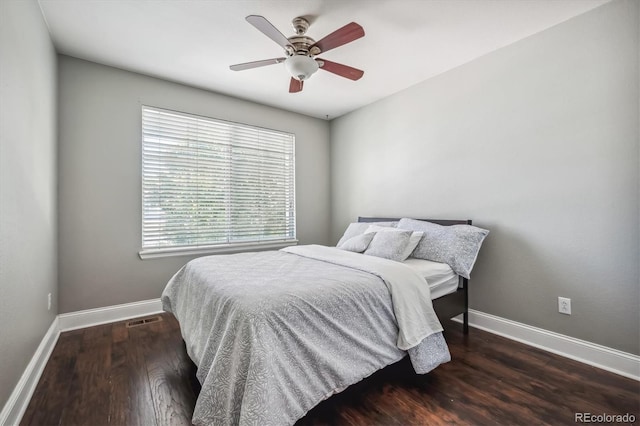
column 564, row 305
column 49, row 302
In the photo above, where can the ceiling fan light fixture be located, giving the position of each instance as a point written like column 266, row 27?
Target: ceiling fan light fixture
column 301, row 49
column 301, row 67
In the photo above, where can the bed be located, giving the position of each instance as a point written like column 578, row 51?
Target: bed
column 274, row 333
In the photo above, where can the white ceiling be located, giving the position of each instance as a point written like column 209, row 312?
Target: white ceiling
column 194, row 41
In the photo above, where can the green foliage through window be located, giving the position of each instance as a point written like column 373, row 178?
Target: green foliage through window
column 211, row 182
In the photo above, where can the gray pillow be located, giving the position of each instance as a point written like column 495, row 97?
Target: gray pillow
column 456, row 245
column 415, row 238
column 357, row 244
column 389, row 245
column 357, row 228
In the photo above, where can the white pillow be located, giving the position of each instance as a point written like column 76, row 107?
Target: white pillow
column 358, row 228
column 414, row 239
column 389, row 245
column 357, row 244
column 456, row 245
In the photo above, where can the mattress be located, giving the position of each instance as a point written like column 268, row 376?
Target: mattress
column 441, row 278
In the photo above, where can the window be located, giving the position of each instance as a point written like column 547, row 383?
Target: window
column 209, row 184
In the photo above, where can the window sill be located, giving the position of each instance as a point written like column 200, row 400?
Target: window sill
column 214, row 249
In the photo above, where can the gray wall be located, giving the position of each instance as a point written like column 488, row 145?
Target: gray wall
column 537, row 142
column 100, row 180
column 27, row 187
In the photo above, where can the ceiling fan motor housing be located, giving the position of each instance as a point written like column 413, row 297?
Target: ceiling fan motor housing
column 301, row 43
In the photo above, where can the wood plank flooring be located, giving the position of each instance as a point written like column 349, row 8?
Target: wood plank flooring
column 114, row 375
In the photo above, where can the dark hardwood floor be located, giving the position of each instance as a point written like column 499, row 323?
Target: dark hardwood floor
column 112, row 374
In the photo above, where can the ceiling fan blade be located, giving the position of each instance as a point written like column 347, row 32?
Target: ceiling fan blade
column 295, row 86
column 341, row 70
column 256, row 64
column 267, row 28
column 344, row 35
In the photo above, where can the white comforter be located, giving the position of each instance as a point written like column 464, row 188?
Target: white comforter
column 274, row 333
column 410, row 293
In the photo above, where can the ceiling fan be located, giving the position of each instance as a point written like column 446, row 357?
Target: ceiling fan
column 301, row 51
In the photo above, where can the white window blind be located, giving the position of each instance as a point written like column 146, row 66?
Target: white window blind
column 208, row 182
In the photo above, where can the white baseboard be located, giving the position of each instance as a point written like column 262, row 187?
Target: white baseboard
column 613, row 360
column 19, row 399
column 91, row 317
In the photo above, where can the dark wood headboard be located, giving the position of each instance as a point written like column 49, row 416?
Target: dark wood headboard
column 444, row 222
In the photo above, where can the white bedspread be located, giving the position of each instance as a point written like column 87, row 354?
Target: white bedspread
column 274, row 333
column 410, row 293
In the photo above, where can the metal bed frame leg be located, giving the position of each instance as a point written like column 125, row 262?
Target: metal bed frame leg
column 465, row 315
